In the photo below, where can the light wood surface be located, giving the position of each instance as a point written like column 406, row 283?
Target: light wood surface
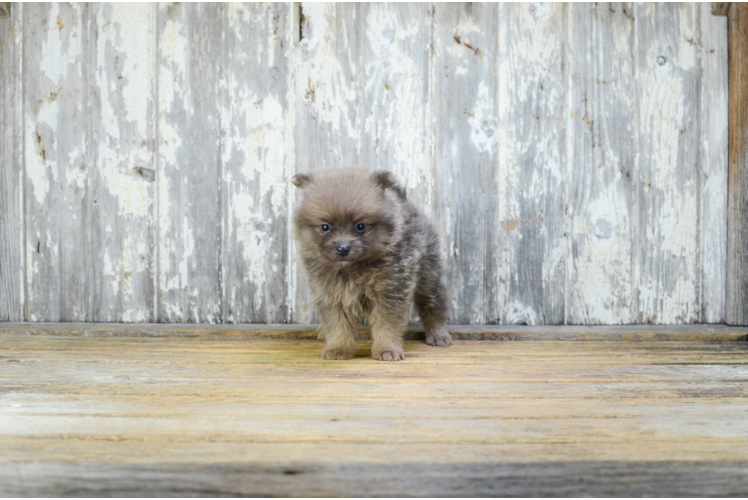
column 87, row 415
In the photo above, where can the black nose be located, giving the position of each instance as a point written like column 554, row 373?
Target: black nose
column 343, row 250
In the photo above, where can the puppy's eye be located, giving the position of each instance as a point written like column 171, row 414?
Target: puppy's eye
column 325, row 228
column 360, row 227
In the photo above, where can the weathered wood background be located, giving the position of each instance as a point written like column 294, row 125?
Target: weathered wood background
column 573, row 157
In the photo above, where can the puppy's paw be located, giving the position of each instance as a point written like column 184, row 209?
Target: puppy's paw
column 390, row 354
column 337, row 353
column 439, row 337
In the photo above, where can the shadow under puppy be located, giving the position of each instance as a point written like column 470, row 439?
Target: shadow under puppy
column 368, row 252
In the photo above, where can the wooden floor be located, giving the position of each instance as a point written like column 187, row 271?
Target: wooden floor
column 92, row 413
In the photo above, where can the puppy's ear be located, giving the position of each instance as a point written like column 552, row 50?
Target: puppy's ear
column 301, row 180
column 383, row 179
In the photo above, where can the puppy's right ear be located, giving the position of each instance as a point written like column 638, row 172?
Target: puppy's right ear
column 301, row 180
column 383, row 179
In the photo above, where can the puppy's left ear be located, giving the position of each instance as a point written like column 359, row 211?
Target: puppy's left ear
column 301, row 180
column 383, row 179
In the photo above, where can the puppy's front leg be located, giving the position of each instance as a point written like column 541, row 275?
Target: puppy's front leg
column 339, row 331
column 387, row 329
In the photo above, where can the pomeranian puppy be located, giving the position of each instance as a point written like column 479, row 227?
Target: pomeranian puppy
column 368, row 252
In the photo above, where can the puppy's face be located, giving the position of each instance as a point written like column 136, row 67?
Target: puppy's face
column 344, row 217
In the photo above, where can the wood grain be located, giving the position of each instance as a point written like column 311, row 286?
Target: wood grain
column 57, row 162
column 466, row 151
column 396, row 104
column 208, row 416
column 713, row 124
column 189, row 176
column 327, row 117
column 12, row 298
column 533, row 155
column 667, row 177
column 122, row 114
column 720, row 8
column 602, row 141
column 328, row 86
column 257, row 161
column 477, row 479
column 737, row 220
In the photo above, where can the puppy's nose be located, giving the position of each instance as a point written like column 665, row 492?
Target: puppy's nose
column 343, row 250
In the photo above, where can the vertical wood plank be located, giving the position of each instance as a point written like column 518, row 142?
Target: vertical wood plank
column 11, row 181
column 189, row 170
column 56, row 128
column 737, row 229
column 362, row 91
column 328, row 86
column 602, row 128
column 466, row 150
column 532, row 162
column 713, row 121
column 720, row 8
column 122, row 161
column 257, row 159
column 327, row 106
column 395, row 129
column 667, row 177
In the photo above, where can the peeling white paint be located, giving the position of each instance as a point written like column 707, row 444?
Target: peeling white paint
column 394, row 97
column 323, row 87
column 531, row 166
column 482, row 121
column 56, row 43
column 188, row 248
column 326, row 101
column 520, row 314
column 668, row 291
column 36, row 167
column 172, row 45
column 257, row 155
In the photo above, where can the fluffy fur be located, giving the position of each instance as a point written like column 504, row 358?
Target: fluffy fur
column 392, row 262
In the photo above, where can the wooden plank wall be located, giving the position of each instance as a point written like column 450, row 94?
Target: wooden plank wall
column 12, row 296
column 737, row 277
column 572, row 156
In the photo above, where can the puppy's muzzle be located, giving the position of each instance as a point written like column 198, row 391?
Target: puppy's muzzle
column 343, row 250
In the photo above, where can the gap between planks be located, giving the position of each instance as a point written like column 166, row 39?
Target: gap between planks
column 704, row 333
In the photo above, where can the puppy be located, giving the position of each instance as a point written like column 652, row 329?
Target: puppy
column 368, row 252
